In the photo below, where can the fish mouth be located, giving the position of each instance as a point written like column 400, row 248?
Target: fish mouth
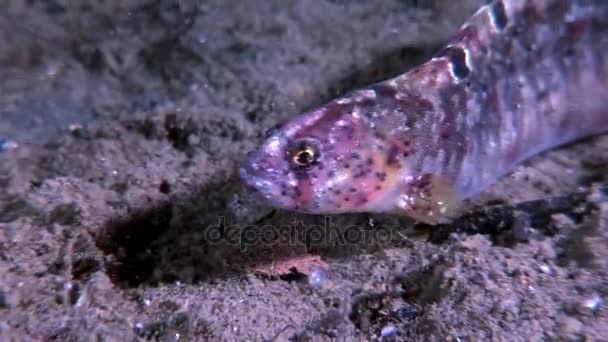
column 253, row 180
column 269, row 186
column 250, row 177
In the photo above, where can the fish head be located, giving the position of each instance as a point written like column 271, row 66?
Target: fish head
column 333, row 159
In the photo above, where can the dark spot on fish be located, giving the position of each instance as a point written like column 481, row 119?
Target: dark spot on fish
column 569, row 52
column 355, row 155
column 381, row 176
column 352, row 190
column 499, row 14
column 337, row 192
column 379, row 135
column 445, row 134
column 378, row 187
column 362, row 199
column 360, row 174
column 346, row 165
column 350, row 135
column 542, row 95
column 346, row 199
column 457, row 58
column 384, row 90
column 331, row 173
column 420, row 104
column 369, row 161
column 391, row 155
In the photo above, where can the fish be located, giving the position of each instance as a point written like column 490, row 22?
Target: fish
column 518, row 78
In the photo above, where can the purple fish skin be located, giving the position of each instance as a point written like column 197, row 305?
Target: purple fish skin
column 520, row 77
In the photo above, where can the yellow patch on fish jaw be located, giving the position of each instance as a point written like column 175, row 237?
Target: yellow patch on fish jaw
column 437, row 203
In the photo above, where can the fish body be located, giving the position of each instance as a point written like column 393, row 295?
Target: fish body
column 519, row 77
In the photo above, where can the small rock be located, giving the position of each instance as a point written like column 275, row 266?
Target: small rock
column 6, row 145
column 389, row 332
column 545, row 269
column 570, row 328
column 318, row 277
column 592, row 303
column 138, row 327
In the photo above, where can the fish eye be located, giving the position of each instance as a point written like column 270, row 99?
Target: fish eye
column 304, row 157
column 303, row 154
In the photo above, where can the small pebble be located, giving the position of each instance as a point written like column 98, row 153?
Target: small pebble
column 74, row 127
column 593, row 303
column 67, row 286
column 389, row 331
column 318, row 277
column 545, row 269
column 6, row 145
